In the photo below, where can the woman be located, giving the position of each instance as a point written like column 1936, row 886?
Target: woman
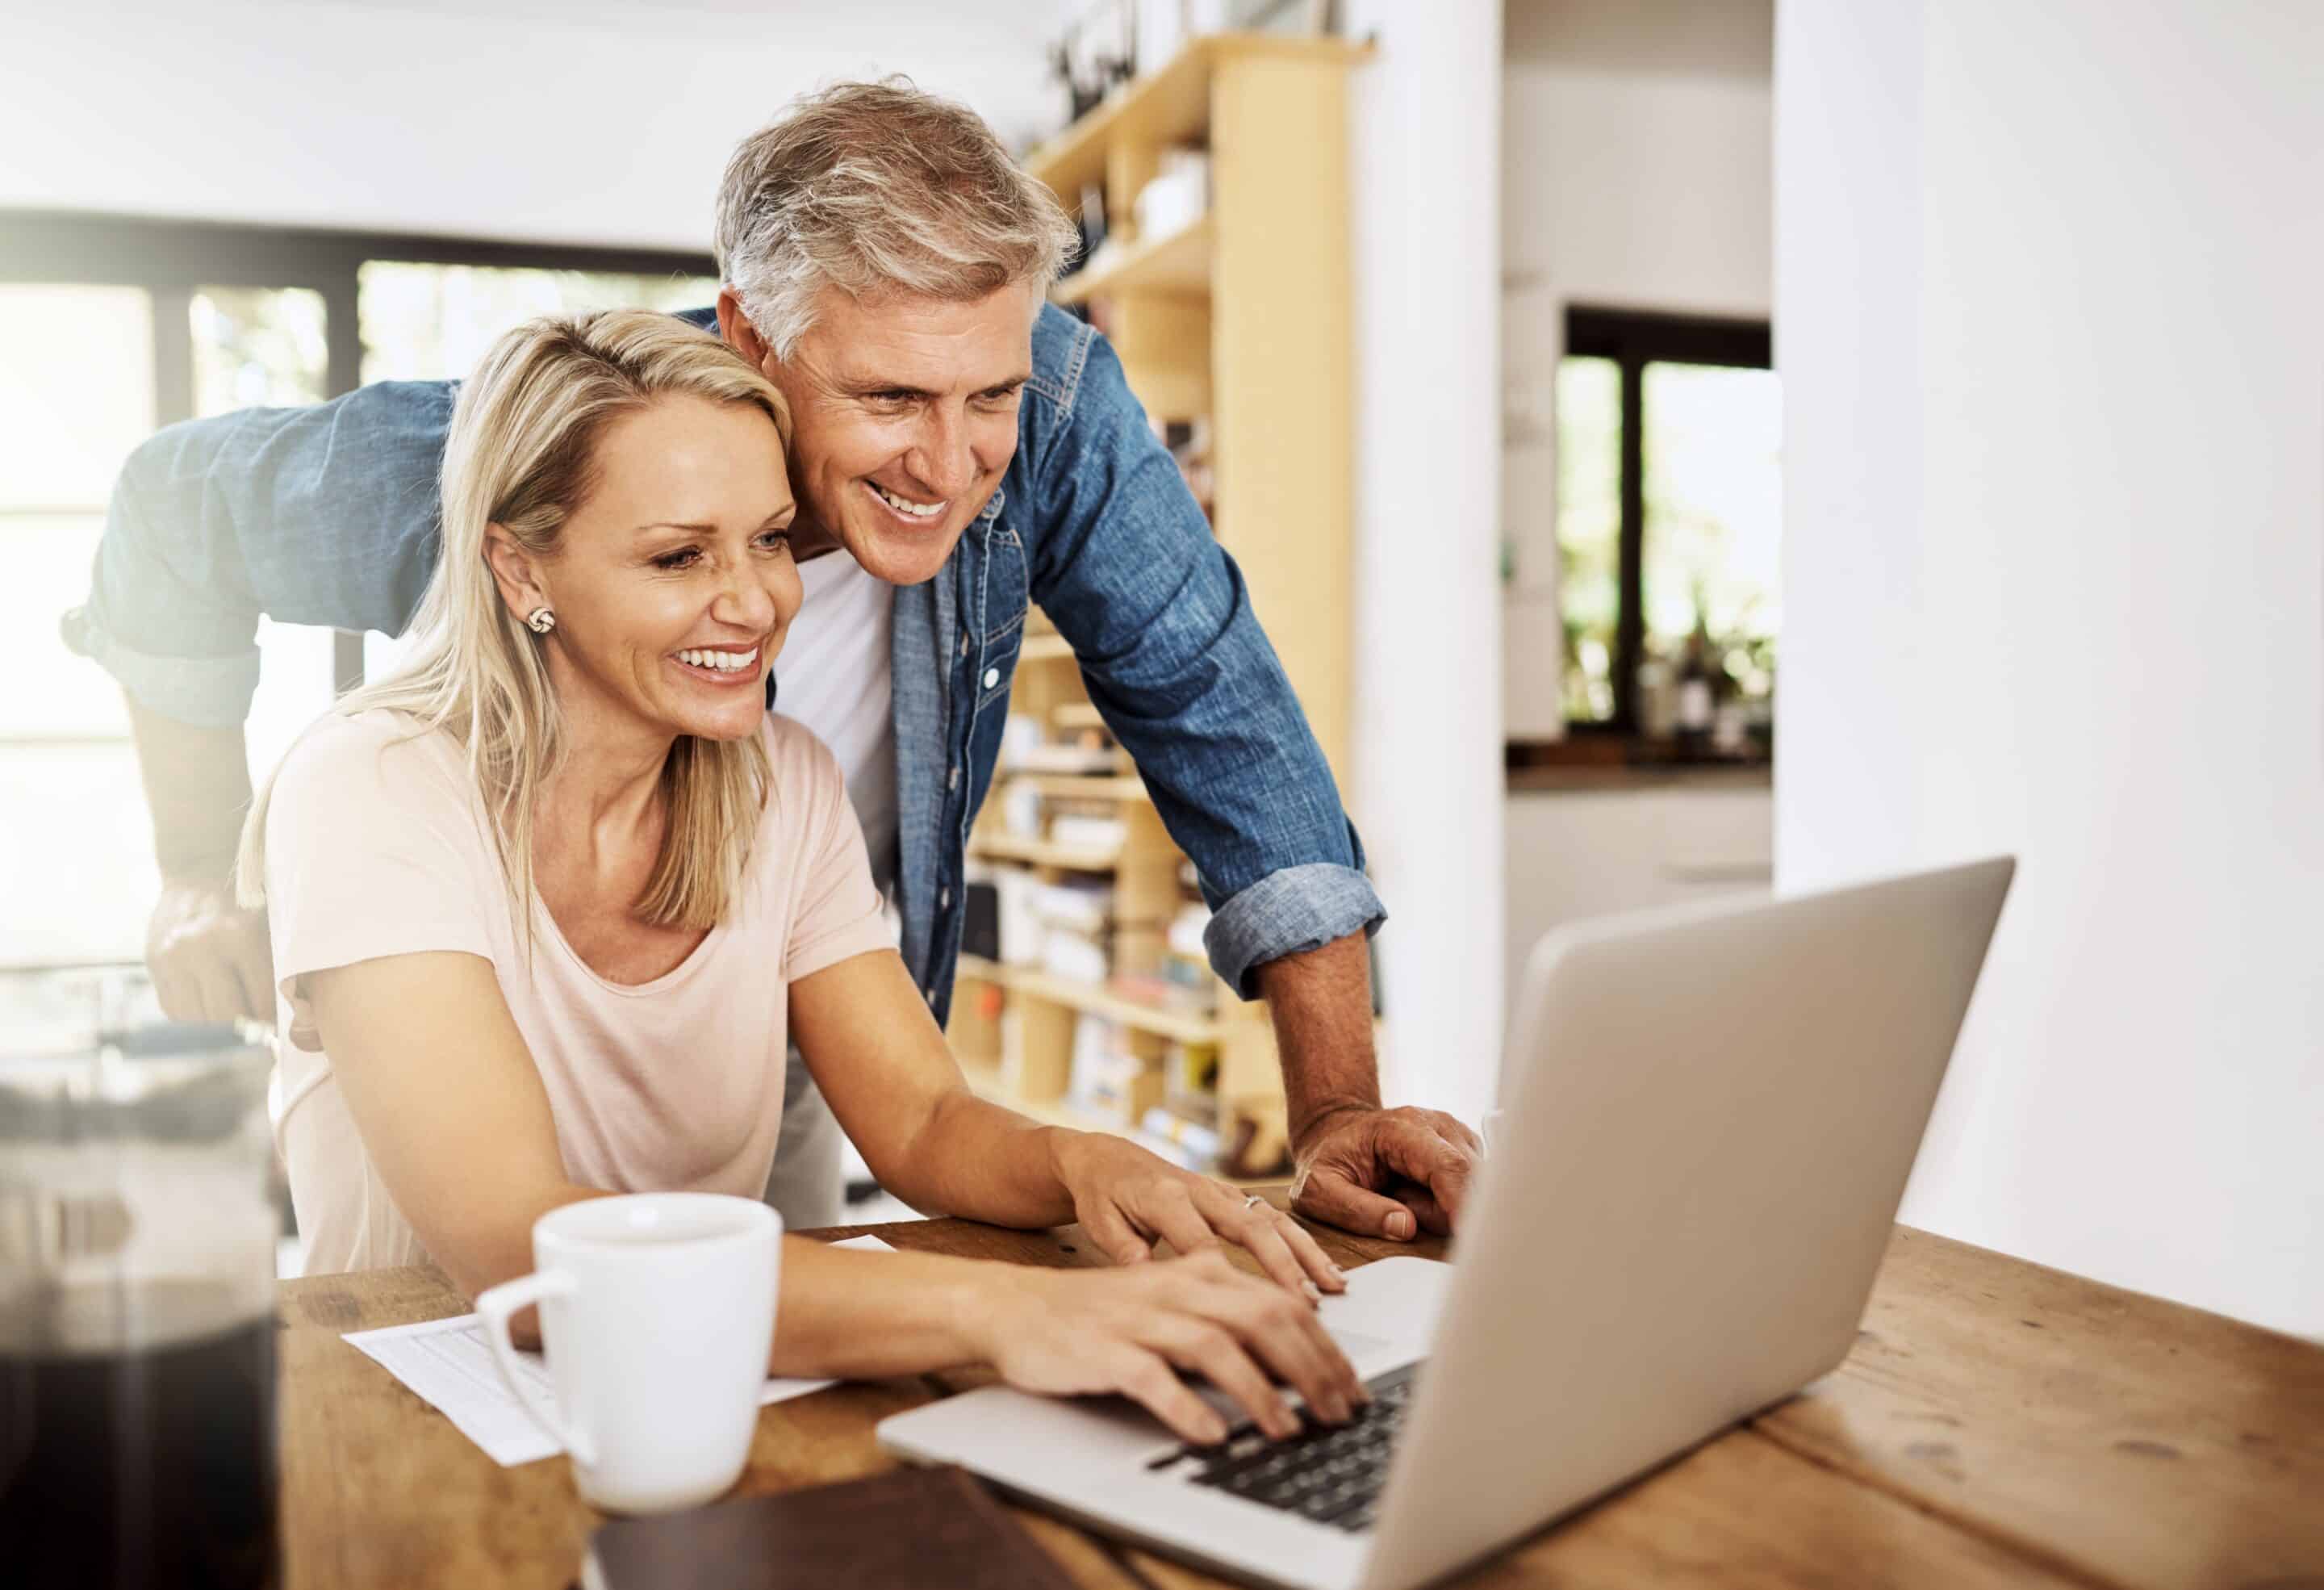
column 546, row 902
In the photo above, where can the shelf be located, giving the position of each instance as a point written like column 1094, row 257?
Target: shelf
column 1171, row 106
column 1077, row 715
column 1048, row 648
column 1178, row 263
column 985, row 1082
column 1040, row 852
column 1083, row 786
column 1097, row 1001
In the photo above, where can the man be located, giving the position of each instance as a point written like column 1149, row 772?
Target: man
column 960, row 448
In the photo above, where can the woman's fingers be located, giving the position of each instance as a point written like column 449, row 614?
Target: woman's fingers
column 1112, row 1232
column 1312, row 1257
column 1259, row 1230
column 1210, row 1350
column 1145, row 1376
column 1290, row 1340
column 1176, row 1218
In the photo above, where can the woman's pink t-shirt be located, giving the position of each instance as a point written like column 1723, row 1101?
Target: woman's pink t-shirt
column 377, row 844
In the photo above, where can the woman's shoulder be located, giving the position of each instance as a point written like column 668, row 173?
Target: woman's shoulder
column 795, row 751
column 376, row 755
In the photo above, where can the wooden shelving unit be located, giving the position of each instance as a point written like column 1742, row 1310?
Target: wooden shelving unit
column 1241, row 319
column 1177, row 264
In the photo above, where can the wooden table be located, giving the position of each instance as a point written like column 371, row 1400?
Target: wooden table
column 1998, row 1423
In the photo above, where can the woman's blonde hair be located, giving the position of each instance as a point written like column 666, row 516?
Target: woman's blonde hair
column 521, row 454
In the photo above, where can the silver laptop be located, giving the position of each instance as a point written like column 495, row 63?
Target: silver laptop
column 1709, row 1117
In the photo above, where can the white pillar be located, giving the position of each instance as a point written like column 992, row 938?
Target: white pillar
column 1427, row 784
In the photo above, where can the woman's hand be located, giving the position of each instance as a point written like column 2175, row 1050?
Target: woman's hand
column 1068, row 1332
column 1128, row 1199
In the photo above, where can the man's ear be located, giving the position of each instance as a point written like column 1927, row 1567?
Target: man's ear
column 735, row 329
column 514, row 571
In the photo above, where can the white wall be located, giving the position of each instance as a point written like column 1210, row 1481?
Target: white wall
column 589, row 121
column 2051, row 338
column 1427, row 779
column 1639, row 175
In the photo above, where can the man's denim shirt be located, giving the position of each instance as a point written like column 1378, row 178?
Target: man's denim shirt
column 329, row 515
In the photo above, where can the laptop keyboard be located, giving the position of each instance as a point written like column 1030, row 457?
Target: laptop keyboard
column 1327, row 1472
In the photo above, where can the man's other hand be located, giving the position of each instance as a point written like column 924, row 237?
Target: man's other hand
column 1389, row 1173
column 210, row 959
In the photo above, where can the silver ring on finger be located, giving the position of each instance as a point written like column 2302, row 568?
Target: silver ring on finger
column 1254, row 1202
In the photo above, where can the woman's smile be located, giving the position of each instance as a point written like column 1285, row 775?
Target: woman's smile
column 722, row 666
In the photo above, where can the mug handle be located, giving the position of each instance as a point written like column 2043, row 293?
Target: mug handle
column 494, row 1307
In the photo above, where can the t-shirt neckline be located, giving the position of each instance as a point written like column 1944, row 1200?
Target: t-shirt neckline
column 669, row 979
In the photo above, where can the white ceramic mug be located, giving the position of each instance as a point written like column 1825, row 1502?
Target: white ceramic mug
column 658, row 1311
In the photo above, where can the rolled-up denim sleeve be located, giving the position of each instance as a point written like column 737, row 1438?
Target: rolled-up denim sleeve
column 325, row 515
column 1177, row 665
column 1289, row 912
column 182, row 646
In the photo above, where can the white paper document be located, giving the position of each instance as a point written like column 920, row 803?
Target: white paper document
column 449, row 1365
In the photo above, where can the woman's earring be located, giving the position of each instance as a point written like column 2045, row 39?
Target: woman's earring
column 540, row 620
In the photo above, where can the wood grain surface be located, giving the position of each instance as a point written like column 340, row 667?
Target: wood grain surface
column 1999, row 1424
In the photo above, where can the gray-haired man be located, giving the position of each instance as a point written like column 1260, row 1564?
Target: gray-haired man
column 960, row 451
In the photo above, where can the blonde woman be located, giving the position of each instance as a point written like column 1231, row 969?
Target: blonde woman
column 546, row 903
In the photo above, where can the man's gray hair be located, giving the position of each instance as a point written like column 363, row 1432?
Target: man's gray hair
column 876, row 188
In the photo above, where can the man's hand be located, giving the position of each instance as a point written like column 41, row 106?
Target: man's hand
column 1391, row 1173
column 1385, row 1172
column 210, row 959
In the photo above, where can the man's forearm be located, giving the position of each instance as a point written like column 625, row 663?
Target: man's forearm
column 198, row 787
column 1321, row 1000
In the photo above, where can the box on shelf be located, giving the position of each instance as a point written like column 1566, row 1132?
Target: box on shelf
column 1076, row 956
column 1189, row 1137
column 1178, row 195
column 1111, row 1084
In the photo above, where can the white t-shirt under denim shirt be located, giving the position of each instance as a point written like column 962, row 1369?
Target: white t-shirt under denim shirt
column 377, row 844
column 833, row 676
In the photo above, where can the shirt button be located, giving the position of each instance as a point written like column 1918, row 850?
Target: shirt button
column 944, row 899
column 963, row 645
column 930, row 994
column 952, row 780
column 992, row 678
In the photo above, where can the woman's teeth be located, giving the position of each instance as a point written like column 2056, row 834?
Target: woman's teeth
column 909, row 509
column 724, row 662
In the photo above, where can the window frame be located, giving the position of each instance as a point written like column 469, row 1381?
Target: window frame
column 173, row 259
column 1633, row 339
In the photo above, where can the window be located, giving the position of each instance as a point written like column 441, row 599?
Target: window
column 117, row 326
column 1669, row 514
